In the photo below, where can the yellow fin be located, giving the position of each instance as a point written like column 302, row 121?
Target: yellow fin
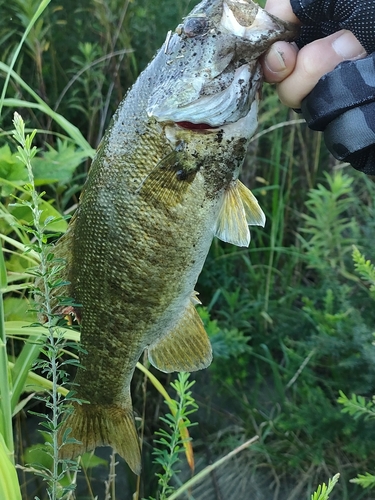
column 194, row 298
column 186, row 348
column 239, row 210
column 254, row 214
column 96, row 425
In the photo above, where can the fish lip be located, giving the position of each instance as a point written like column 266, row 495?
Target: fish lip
column 227, row 106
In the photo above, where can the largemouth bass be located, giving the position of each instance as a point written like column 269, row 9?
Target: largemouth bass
column 164, row 182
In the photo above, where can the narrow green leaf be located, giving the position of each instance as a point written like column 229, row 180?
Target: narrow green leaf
column 3, row 271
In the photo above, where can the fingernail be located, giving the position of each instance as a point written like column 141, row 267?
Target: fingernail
column 275, row 61
column 348, row 47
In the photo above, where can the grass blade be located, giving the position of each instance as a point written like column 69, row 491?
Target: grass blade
column 9, row 486
column 5, row 407
column 35, row 17
column 70, row 129
column 22, row 366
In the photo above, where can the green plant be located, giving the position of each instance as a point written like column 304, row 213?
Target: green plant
column 52, row 343
column 365, row 269
column 316, row 340
column 171, row 441
column 323, row 491
column 357, row 406
column 9, row 487
column 5, row 392
column 328, row 232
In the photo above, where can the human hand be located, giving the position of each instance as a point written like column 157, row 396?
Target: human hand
column 297, row 71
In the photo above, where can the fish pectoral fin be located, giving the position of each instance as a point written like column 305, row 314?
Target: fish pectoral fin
column 254, row 214
column 186, row 348
column 167, row 182
column 239, row 210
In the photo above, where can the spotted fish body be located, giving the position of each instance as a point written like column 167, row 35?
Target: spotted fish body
column 164, row 182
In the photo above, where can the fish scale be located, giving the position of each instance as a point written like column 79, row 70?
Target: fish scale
column 156, row 195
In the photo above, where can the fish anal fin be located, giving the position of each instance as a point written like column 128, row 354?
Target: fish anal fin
column 185, row 348
column 95, row 425
column 240, row 209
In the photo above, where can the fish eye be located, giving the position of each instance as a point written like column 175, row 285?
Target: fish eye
column 194, row 26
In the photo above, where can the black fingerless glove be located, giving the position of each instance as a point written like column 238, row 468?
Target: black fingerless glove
column 342, row 104
column 324, row 17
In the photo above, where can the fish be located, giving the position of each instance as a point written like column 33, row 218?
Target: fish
column 164, row 182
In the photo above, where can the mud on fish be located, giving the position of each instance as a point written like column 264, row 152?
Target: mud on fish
column 163, row 183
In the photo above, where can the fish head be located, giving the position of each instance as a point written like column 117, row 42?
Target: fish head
column 210, row 75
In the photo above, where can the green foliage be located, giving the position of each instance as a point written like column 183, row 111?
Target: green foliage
column 357, row 406
column 365, row 480
column 12, row 171
column 57, row 165
column 226, row 343
column 330, row 234
column 9, row 487
column 323, row 491
column 313, row 340
column 365, row 269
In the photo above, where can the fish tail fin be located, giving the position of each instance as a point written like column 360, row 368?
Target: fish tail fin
column 95, row 425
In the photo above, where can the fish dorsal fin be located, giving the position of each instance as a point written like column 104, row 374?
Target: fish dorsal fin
column 186, row 348
column 239, row 210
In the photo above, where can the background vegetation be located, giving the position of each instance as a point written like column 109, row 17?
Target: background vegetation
column 291, row 318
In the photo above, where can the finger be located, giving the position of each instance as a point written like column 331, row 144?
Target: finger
column 315, row 60
column 279, row 62
column 281, row 9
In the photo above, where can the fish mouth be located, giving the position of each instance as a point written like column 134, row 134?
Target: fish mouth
column 213, row 111
column 210, row 73
column 244, row 127
column 195, row 126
